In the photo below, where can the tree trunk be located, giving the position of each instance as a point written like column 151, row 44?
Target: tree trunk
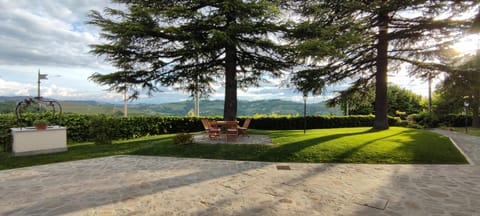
column 230, row 105
column 381, row 120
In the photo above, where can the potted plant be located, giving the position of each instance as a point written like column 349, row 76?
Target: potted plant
column 40, row 124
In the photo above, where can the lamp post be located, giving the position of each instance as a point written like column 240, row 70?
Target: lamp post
column 304, row 112
column 466, row 104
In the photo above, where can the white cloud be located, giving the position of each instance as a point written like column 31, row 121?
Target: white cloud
column 43, row 33
column 14, row 88
column 11, row 88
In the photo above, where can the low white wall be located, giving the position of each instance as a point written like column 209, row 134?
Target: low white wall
column 30, row 141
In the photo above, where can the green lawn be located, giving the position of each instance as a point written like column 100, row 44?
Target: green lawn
column 344, row 145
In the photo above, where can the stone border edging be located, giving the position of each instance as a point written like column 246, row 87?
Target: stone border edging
column 470, row 162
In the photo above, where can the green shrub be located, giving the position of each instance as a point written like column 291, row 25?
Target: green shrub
column 456, row 120
column 183, row 139
column 415, row 126
column 40, row 122
column 102, row 129
column 424, row 119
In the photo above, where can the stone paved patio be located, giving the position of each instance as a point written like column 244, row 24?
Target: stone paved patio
column 250, row 139
column 143, row 185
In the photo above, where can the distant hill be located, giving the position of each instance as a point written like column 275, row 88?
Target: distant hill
column 245, row 108
column 207, row 108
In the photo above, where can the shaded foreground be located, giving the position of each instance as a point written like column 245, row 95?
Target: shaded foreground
column 345, row 145
column 140, row 185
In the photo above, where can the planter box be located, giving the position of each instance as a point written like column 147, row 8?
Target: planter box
column 30, row 141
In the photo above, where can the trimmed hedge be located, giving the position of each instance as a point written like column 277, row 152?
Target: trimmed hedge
column 81, row 128
column 456, row 120
column 451, row 120
column 313, row 122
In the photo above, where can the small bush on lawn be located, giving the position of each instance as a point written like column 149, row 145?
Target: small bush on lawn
column 183, row 139
column 415, row 126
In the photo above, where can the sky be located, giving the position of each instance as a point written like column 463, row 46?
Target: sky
column 51, row 36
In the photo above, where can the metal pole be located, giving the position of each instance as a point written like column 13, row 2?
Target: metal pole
column 38, row 84
column 429, row 93
column 466, row 120
column 125, row 106
column 38, row 90
column 466, row 114
column 304, row 114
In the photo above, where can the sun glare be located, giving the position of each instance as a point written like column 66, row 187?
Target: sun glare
column 468, row 45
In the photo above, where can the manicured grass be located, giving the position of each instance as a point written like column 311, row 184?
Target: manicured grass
column 470, row 130
column 345, row 145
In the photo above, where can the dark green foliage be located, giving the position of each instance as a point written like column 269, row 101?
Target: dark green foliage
column 459, row 86
column 454, row 120
column 7, row 121
column 183, row 139
column 102, row 129
column 7, row 106
column 191, row 44
column 361, row 102
column 425, row 119
column 314, row 122
column 79, row 126
column 430, row 120
column 364, row 40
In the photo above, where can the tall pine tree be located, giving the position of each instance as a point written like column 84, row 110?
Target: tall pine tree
column 371, row 38
column 192, row 43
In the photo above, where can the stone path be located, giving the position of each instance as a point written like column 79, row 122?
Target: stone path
column 469, row 145
column 144, row 185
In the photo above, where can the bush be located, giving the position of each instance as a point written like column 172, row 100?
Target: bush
column 102, row 129
column 40, row 122
column 424, row 119
column 183, row 139
column 414, row 126
column 456, row 120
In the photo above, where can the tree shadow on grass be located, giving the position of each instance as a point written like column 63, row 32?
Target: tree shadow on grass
column 282, row 152
column 350, row 152
column 430, row 149
column 287, row 152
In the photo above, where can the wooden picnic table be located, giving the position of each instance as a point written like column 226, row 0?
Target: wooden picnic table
column 223, row 123
column 229, row 128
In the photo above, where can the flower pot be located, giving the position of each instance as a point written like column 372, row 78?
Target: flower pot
column 41, row 127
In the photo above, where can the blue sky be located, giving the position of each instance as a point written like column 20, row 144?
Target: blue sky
column 51, row 36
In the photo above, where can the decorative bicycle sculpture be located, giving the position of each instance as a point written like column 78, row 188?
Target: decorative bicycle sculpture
column 38, row 105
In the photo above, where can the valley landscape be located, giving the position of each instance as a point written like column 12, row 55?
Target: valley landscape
column 183, row 108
